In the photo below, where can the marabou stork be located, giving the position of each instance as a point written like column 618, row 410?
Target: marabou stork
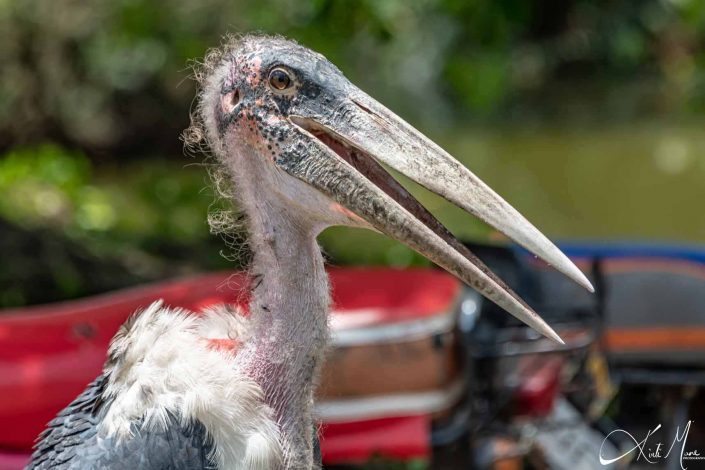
column 305, row 150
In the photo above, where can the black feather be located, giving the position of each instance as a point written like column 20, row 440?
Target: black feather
column 71, row 441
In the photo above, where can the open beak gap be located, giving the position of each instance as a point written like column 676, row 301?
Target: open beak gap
column 390, row 208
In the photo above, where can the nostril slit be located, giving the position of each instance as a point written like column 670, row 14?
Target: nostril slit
column 230, row 100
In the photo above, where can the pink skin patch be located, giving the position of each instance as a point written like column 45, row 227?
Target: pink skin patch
column 335, row 207
column 247, row 130
column 248, row 127
column 249, row 133
column 254, row 78
column 224, row 345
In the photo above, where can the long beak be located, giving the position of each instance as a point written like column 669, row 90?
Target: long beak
column 343, row 161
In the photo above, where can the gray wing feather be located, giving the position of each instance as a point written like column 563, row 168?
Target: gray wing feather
column 71, row 441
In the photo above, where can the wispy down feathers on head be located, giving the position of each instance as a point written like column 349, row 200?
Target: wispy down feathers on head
column 224, row 218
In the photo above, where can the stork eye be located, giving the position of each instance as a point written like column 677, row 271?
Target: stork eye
column 279, row 79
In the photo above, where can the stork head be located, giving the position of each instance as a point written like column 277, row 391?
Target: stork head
column 283, row 115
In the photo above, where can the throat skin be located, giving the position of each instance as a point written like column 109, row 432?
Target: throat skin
column 289, row 316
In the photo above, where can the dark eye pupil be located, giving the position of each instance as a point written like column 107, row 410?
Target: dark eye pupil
column 279, row 79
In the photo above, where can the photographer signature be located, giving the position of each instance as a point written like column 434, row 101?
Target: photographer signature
column 655, row 451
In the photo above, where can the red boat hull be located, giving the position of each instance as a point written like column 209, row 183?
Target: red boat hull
column 49, row 353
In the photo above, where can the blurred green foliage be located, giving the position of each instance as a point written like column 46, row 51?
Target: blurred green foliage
column 111, row 75
column 66, row 231
column 50, row 187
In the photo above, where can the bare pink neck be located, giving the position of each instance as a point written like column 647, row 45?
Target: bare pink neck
column 289, row 309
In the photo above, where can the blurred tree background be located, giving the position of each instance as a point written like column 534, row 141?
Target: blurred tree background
column 586, row 115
